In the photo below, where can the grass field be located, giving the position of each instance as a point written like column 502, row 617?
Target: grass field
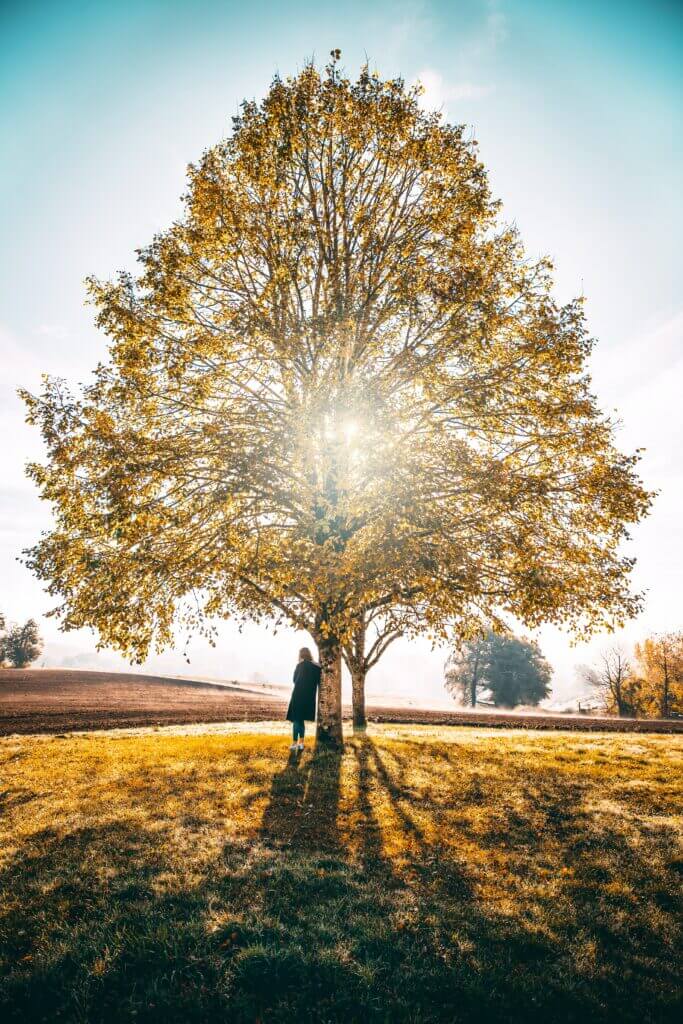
column 425, row 875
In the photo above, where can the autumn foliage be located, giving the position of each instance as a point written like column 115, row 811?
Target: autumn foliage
column 659, row 663
column 647, row 685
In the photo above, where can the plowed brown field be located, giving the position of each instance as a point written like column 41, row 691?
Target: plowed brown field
column 63, row 700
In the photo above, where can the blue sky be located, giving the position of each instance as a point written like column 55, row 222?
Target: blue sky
column 577, row 107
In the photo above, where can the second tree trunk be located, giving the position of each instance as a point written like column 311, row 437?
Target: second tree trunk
column 358, row 695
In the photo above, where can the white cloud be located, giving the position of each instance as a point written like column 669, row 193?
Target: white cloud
column 645, row 363
column 23, row 362
column 496, row 23
column 438, row 93
column 56, row 331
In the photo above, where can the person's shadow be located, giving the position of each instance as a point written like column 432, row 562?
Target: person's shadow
column 303, row 802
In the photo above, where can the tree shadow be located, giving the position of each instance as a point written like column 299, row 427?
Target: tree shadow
column 301, row 812
column 353, row 909
column 509, row 966
column 17, row 797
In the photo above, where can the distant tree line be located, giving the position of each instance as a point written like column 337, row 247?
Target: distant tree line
column 499, row 669
column 19, row 645
column 508, row 671
column 647, row 685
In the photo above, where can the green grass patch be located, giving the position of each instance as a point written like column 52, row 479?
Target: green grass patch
column 424, row 875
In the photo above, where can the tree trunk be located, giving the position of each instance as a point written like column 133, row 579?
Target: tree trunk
column 329, row 730
column 664, row 709
column 358, row 692
column 358, row 672
column 474, row 682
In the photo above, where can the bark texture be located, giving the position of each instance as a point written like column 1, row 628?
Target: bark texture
column 358, row 698
column 329, row 729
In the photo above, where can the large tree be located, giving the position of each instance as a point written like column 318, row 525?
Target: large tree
column 336, row 387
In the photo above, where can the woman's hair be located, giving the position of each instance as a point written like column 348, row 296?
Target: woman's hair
column 305, row 654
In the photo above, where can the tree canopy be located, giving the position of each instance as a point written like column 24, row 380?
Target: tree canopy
column 510, row 670
column 516, row 672
column 649, row 684
column 21, row 645
column 336, row 387
column 659, row 661
column 614, row 678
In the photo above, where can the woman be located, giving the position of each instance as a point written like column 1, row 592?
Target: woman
column 302, row 703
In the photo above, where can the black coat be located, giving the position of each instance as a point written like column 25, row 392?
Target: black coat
column 302, row 703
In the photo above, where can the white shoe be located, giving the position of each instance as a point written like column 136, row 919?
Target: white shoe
column 300, row 748
column 293, row 746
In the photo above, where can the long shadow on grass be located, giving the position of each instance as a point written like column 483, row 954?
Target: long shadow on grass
column 342, row 913
column 301, row 813
column 594, row 948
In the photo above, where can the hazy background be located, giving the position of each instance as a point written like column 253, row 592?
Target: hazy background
column 577, row 108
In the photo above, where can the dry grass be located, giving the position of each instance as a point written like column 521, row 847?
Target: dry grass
column 426, row 875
